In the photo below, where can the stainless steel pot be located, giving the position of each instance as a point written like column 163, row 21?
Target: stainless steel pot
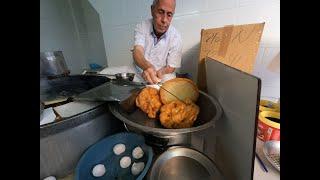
column 137, row 121
column 41, row 110
column 52, row 64
column 183, row 163
column 62, row 143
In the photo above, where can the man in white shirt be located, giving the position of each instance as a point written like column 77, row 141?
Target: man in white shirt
column 157, row 44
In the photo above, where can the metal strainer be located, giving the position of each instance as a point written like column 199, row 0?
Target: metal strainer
column 271, row 150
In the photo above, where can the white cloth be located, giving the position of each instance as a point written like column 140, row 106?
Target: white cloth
column 165, row 51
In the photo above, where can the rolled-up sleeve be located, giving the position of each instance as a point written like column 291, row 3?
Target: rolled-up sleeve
column 139, row 38
column 175, row 52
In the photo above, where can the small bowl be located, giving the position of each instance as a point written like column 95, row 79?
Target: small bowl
column 125, row 76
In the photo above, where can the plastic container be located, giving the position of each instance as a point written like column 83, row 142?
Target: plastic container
column 102, row 153
column 269, row 126
column 266, row 105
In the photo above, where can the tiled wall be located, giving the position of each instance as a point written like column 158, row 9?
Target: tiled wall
column 73, row 27
column 118, row 19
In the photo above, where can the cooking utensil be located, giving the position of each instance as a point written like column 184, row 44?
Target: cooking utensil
column 62, row 89
column 271, row 150
column 119, row 76
column 52, row 63
column 138, row 121
column 115, row 90
column 63, row 143
column 183, row 163
column 41, row 110
column 261, row 163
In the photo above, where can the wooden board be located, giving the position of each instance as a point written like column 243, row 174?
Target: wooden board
column 236, row 46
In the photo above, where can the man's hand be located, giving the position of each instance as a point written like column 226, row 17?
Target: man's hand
column 165, row 70
column 150, row 75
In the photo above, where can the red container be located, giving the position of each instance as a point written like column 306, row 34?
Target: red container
column 267, row 129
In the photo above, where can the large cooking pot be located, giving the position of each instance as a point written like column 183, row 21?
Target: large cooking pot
column 52, row 63
column 63, row 142
column 157, row 135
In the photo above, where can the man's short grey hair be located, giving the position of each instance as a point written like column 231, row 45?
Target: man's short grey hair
column 155, row 2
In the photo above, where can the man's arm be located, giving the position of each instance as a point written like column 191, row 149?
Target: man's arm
column 149, row 73
column 165, row 70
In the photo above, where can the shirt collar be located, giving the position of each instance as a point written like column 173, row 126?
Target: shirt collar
column 154, row 35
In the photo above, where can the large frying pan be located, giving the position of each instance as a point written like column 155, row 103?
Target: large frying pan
column 138, row 121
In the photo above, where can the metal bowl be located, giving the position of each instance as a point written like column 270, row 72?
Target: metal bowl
column 137, row 121
column 125, row 76
column 183, row 163
column 271, row 150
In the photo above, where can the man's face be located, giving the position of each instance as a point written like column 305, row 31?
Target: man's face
column 162, row 14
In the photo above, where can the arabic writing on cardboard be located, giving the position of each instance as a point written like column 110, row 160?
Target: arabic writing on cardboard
column 235, row 46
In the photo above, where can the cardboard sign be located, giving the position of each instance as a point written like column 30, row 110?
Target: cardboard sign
column 236, row 46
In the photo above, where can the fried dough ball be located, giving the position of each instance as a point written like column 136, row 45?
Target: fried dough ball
column 149, row 101
column 179, row 114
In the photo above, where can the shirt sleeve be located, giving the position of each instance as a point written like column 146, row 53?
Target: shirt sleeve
column 139, row 38
column 175, row 52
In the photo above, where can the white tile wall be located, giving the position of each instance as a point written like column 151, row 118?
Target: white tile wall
column 73, row 27
column 119, row 17
column 57, row 32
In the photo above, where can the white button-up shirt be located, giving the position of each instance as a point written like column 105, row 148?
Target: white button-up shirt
column 167, row 50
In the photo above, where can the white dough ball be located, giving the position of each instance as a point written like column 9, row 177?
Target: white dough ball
column 98, row 170
column 137, row 152
column 50, row 178
column 137, row 168
column 125, row 162
column 119, row 148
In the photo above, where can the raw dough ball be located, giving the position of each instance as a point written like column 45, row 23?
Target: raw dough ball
column 98, row 170
column 137, row 152
column 119, row 148
column 125, row 162
column 50, row 178
column 137, row 168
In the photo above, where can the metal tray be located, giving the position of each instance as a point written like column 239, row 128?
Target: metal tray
column 210, row 111
column 271, row 150
column 183, row 163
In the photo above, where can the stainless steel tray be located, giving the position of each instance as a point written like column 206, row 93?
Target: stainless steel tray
column 210, row 112
column 271, row 150
column 183, row 163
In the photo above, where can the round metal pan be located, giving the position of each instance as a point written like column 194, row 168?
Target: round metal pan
column 138, row 121
column 183, row 163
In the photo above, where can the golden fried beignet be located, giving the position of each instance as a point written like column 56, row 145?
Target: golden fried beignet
column 177, row 114
column 148, row 101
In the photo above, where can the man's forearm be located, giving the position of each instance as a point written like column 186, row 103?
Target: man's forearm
column 168, row 69
column 139, row 58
